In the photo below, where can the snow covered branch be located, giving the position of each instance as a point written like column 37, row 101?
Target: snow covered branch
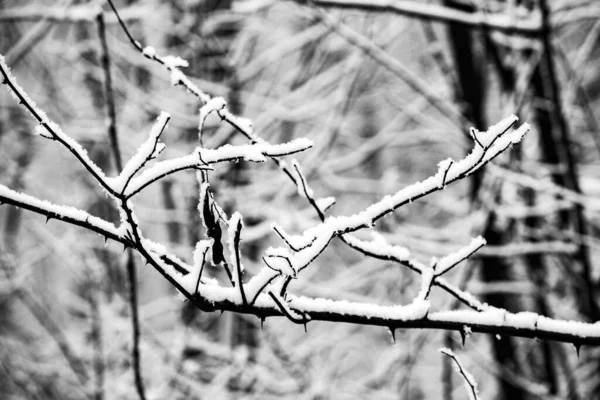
column 202, row 158
column 266, row 293
column 49, row 129
column 314, row 240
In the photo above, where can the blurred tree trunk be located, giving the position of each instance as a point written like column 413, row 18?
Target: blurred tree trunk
column 471, row 78
column 556, row 145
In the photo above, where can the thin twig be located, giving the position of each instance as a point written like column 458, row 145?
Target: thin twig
column 467, row 377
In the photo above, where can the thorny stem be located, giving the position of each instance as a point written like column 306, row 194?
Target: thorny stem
column 414, row 265
column 6, row 80
column 313, row 310
column 129, row 178
column 437, row 281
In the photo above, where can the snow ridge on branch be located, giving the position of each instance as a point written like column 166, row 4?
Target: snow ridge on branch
column 266, row 294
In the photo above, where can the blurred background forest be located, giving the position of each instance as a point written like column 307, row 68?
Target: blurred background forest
column 385, row 90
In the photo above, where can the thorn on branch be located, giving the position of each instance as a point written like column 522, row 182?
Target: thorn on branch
column 392, row 332
column 577, row 348
column 465, row 332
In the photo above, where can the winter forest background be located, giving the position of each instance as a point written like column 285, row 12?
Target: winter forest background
column 385, row 90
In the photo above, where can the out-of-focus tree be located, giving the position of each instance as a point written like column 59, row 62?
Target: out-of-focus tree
column 383, row 91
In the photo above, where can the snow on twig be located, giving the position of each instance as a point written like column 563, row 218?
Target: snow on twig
column 292, row 315
column 262, row 299
column 201, row 158
column 214, row 104
column 380, row 249
column 451, row 260
column 149, row 150
column 64, row 213
column 49, row 129
column 468, row 379
column 489, row 145
column 494, row 142
column 278, row 259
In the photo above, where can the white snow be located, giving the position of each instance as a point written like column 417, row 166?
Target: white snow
column 427, row 275
column 177, row 77
column 294, row 241
column 173, row 62
column 575, row 328
column 155, row 247
column 62, row 212
column 148, row 150
column 193, row 278
column 43, row 132
column 496, row 137
column 278, row 259
column 468, row 379
column 380, row 247
column 325, row 203
column 244, row 124
column 149, row 51
column 258, row 282
column 200, row 157
column 214, row 104
column 56, row 131
column 452, row 259
column 9, row 76
column 200, row 252
column 443, row 169
column 287, row 308
column 414, row 311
